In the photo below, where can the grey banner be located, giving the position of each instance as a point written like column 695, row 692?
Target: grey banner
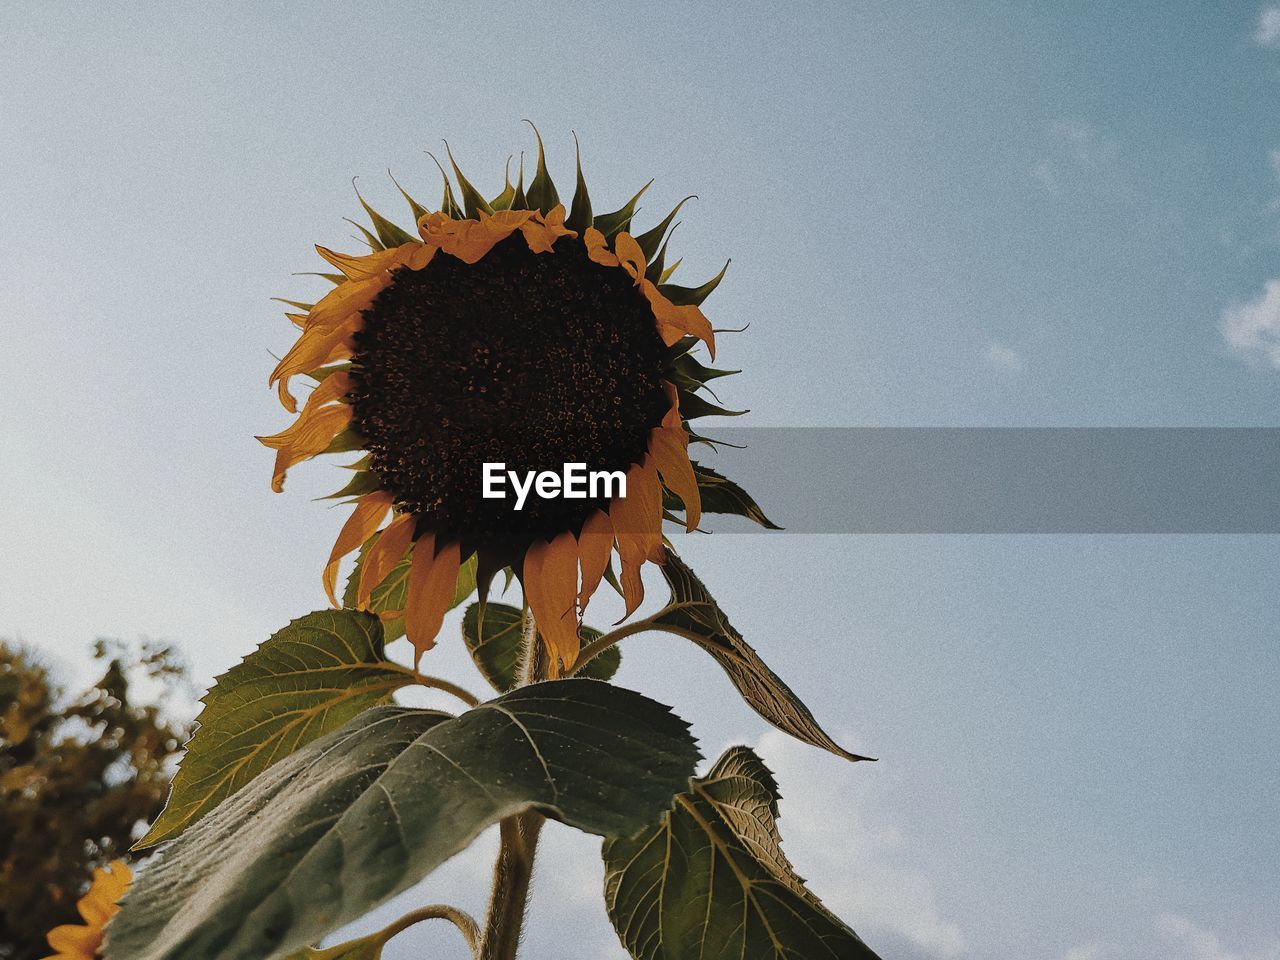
column 1003, row 480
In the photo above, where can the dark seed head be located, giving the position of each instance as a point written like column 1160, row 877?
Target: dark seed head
column 532, row 360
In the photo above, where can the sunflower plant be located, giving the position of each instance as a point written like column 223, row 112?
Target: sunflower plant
column 507, row 331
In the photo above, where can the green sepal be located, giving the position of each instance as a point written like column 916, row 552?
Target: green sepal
column 693, row 406
column 296, row 304
column 448, row 205
column 321, row 373
column 580, row 211
column 719, row 494
column 473, row 202
column 345, row 442
column 542, row 194
column 611, row 223
column 520, row 201
column 666, row 274
column 503, row 200
column 389, row 234
column 693, row 296
column 362, row 483
column 417, row 209
column 374, row 243
column 493, row 635
column 689, row 366
column 651, row 239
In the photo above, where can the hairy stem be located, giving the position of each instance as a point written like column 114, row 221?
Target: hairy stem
column 514, row 867
column 438, row 911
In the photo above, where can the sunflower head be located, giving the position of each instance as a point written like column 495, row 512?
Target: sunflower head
column 82, row 941
column 506, row 331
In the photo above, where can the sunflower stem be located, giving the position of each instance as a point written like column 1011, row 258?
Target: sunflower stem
column 514, row 867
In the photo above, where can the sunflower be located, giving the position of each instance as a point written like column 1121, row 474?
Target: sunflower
column 505, row 332
column 81, row 941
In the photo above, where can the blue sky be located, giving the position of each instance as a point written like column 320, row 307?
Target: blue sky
column 938, row 214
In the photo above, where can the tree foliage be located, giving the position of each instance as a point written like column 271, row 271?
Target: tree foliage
column 80, row 775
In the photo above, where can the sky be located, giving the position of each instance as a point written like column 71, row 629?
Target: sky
column 988, row 214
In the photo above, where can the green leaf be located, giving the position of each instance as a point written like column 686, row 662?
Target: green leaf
column 308, row 679
column 721, row 495
column 339, row 827
column 393, row 592
column 492, row 633
column 693, row 613
column 710, row 882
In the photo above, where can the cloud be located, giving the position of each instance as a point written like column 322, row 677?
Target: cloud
column 1186, row 939
column 1267, row 33
column 1078, row 159
column 1252, row 329
column 1003, row 356
column 853, row 856
column 1088, row 951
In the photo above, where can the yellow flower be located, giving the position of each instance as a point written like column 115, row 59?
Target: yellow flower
column 82, row 941
column 512, row 332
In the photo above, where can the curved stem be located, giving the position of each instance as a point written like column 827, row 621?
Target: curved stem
column 437, row 911
column 438, row 683
column 435, row 683
column 601, row 644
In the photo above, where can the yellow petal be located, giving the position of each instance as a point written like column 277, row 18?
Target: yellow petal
column 630, row 255
column 637, row 525
column 550, row 587
column 308, row 436
column 432, row 579
column 387, row 551
column 598, row 248
column 542, row 231
column 76, row 941
column 595, row 543
column 360, row 526
column 414, row 255
column 674, row 322
column 316, row 347
column 669, row 447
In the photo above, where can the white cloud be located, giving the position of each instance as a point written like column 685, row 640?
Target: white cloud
column 1088, row 951
column 1267, row 33
column 1001, row 355
column 1189, row 940
column 1252, row 329
column 858, row 862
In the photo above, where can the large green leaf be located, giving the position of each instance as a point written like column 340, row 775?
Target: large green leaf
column 308, row 679
column 710, row 882
column 492, row 632
column 694, row 614
column 359, row 815
column 393, row 592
